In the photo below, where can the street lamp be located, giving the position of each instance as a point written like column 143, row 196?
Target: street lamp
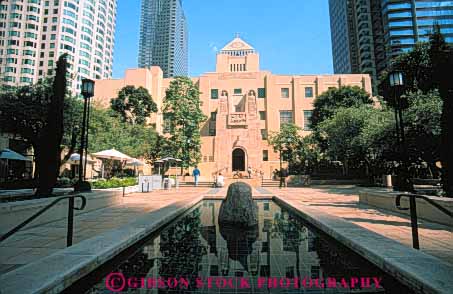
column 396, row 80
column 87, row 93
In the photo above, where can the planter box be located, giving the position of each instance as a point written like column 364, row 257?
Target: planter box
column 386, row 200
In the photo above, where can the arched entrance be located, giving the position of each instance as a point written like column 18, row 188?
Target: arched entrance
column 238, row 160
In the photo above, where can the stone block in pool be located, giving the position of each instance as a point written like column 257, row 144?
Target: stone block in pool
column 238, row 209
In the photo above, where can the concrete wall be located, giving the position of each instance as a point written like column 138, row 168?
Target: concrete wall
column 13, row 213
column 386, row 200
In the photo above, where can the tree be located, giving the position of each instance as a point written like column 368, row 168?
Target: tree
column 423, row 127
column 306, row 156
column 24, row 112
column 109, row 131
column 358, row 135
column 286, row 141
column 36, row 114
column 49, row 153
column 183, row 114
column 327, row 103
column 134, row 105
column 427, row 68
column 73, row 111
column 442, row 61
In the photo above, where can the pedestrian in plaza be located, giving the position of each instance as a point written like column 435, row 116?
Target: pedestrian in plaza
column 220, row 181
column 249, row 171
column 196, row 175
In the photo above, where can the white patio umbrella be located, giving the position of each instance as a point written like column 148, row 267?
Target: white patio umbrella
column 113, row 155
column 169, row 160
column 135, row 162
column 75, row 157
column 8, row 154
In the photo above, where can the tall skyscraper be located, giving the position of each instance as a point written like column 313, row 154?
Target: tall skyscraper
column 342, row 27
column 35, row 33
column 408, row 22
column 163, row 37
column 367, row 34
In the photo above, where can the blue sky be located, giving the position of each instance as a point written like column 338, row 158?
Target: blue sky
column 292, row 36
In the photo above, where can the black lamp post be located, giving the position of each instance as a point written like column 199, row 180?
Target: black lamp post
column 404, row 182
column 87, row 93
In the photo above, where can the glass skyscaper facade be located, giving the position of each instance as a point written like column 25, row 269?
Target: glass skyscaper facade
column 163, row 37
column 407, row 22
column 367, row 34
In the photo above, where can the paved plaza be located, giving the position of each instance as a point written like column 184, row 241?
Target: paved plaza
column 32, row 244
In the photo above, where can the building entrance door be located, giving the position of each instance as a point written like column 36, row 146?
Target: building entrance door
column 238, row 160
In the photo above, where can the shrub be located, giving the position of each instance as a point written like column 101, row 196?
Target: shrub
column 114, row 183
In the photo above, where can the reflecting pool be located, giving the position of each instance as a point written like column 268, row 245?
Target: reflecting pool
column 282, row 254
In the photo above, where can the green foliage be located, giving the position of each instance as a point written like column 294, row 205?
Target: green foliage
column 358, row 134
column 114, row 183
column 306, row 156
column 183, row 113
column 423, row 126
column 416, row 66
column 287, row 138
column 328, row 102
column 428, row 68
column 134, row 105
column 301, row 153
column 36, row 113
column 24, row 109
column 108, row 131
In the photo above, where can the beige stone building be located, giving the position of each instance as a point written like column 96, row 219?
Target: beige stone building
column 244, row 105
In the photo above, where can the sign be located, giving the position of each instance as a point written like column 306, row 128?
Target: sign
column 237, row 119
column 149, row 183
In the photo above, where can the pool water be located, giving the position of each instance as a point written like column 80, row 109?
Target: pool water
column 282, row 254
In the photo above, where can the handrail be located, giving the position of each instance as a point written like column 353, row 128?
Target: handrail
column 71, row 209
column 413, row 212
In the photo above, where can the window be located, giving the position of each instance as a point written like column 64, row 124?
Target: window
column 308, row 92
column 285, row 92
column 237, row 91
column 265, row 155
column 213, row 124
column 214, row 93
column 262, row 115
column 264, row 134
column 286, row 117
column 307, row 119
column 261, row 92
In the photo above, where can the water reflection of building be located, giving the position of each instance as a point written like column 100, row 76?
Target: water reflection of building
column 281, row 249
column 284, row 247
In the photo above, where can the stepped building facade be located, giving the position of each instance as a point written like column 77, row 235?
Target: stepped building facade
column 243, row 103
column 35, row 33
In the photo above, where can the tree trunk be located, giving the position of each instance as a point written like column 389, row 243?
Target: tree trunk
column 447, row 146
column 50, row 154
column 446, row 92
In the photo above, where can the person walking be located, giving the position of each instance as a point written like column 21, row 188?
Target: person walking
column 249, row 171
column 220, row 181
column 196, row 175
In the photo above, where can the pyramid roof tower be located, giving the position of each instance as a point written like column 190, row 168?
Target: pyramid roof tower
column 237, row 47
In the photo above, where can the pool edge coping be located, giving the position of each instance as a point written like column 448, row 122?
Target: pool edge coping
column 392, row 260
column 56, row 272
